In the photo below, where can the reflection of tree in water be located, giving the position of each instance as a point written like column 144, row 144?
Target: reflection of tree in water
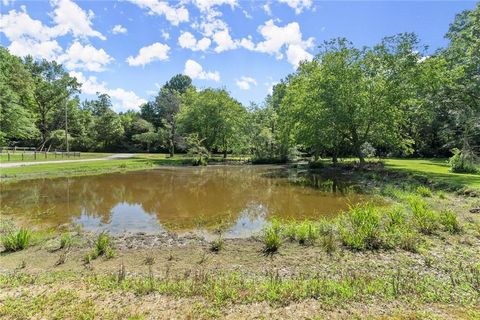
column 177, row 196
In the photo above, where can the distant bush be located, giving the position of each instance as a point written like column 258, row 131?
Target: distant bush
column 463, row 161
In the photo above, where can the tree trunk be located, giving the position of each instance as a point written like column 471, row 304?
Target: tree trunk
column 225, row 154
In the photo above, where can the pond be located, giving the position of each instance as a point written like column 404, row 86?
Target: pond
column 236, row 199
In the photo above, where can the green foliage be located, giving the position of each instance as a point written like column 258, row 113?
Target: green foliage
column 196, row 150
column 16, row 240
column 463, row 161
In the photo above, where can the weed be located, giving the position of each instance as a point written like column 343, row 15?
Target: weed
column 442, row 195
column 103, row 247
column 328, row 242
column 16, row 240
column 424, row 191
column 66, row 240
column 217, row 245
column 149, row 260
column 450, row 222
column 306, row 233
column 360, row 228
column 271, row 238
column 425, row 219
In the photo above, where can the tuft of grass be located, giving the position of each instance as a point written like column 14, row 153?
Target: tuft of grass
column 66, row 240
column 103, row 247
column 450, row 222
column 425, row 219
column 307, row 233
column 217, row 245
column 360, row 228
column 424, row 191
column 16, row 240
column 271, row 238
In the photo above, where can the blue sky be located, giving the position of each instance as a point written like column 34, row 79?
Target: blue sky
column 130, row 48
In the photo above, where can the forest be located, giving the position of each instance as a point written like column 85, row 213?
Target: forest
column 394, row 99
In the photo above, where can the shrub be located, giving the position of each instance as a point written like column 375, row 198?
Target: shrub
column 16, row 240
column 424, row 191
column 450, row 222
column 463, row 161
column 360, row 228
column 271, row 238
column 425, row 219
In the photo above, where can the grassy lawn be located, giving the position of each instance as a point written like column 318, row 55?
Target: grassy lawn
column 436, row 170
column 29, row 157
column 53, row 170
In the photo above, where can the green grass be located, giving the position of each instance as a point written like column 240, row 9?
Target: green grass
column 102, row 247
column 16, row 240
column 272, row 238
column 53, row 170
column 436, row 170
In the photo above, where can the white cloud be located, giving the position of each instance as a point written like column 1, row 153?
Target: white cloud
column 298, row 5
column 175, row 15
column 267, row 9
column 188, row 41
column 165, row 35
column 296, row 53
column 207, row 5
column 69, row 17
column 244, row 83
column 224, row 41
column 85, row 57
column 119, row 29
column 153, row 52
column 48, row 49
column 7, row 2
column 195, row 71
column 289, row 36
column 122, row 99
column 19, row 25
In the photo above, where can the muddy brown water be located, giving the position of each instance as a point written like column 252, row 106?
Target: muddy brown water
column 237, row 199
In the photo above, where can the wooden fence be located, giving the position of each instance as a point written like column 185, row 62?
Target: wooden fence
column 29, row 153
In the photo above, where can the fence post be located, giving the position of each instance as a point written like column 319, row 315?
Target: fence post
column 35, row 155
column 8, row 155
column 45, row 154
column 23, row 155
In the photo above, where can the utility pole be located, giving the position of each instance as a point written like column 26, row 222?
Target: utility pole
column 66, row 126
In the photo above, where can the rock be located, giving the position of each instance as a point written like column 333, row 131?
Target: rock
column 475, row 210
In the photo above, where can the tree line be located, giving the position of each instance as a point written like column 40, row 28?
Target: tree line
column 391, row 99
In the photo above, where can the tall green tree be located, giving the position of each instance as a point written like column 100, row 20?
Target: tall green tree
column 17, row 120
column 217, row 118
column 53, row 88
